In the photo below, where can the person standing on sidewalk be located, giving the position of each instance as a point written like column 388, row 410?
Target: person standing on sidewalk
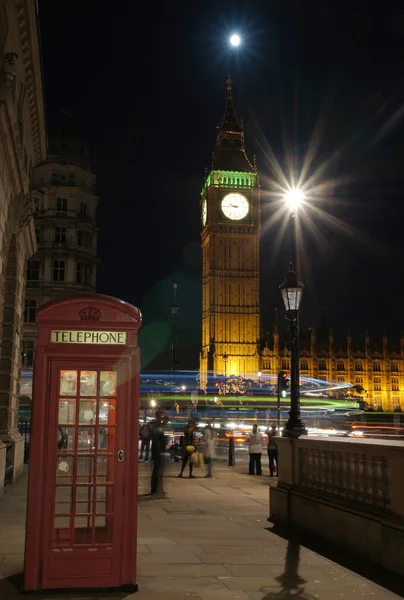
column 255, row 451
column 209, row 448
column 145, row 442
column 189, row 447
column 272, row 450
column 156, row 428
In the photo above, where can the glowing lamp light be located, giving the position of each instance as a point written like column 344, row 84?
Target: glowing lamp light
column 291, row 290
column 153, row 403
column 235, row 40
column 294, row 198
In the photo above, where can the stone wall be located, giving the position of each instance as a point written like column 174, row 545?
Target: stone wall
column 349, row 492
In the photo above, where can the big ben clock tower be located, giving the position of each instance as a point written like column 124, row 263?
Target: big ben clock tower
column 230, row 220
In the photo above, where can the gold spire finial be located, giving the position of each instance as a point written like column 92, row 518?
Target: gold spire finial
column 229, row 83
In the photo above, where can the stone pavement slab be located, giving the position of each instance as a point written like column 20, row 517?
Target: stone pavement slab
column 209, row 540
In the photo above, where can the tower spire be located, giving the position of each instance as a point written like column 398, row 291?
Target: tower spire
column 230, row 154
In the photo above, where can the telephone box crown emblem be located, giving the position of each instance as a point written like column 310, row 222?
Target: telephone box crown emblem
column 89, row 313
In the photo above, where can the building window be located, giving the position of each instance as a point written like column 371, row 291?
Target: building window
column 285, row 365
column 60, row 235
column 266, row 364
column 394, row 367
column 359, row 381
column 83, row 208
column 304, row 365
column 33, row 269
column 376, row 366
column 84, row 239
column 340, row 366
column 27, row 354
column 358, row 367
column 377, row 384
column 394, row 384
column 83, row 273
column 58, row 270
column 37, row 234
column 322, row 378
column 30, row 311
column 322, row 365
column 340, row 379
column 61, row 207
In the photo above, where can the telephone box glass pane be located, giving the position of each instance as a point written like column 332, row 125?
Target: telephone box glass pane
column 88, row 383
column 86, row 440
column 104, row 497
column 87, row 412
column 65, row 439
column 83, row 530
column 67, row 411
column 105, row 469
column 108, row 383
column 107, row 411
column 85, row 469
column 84, row 499
column 64, row 469
column 106, row 440
column 63, row 500
column 68, row 383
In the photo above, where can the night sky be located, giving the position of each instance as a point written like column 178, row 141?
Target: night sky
column 145, row 83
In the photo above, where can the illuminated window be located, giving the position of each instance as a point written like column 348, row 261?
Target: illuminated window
column 266, row 364
column 322, row 378
column 394, row 384
column 60, row 235
column 376, row 366
column 59, row 268
column 377, row 384
column 304, row 365
column 322, row 365
column 27, row 353
column 359, row 380
column 285, row 365
column 340, row 366
column 358, row 367
column 340, row 379
column 394, row 367
column 30, row 311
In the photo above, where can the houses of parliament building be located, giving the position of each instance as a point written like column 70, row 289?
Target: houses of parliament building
column 231, row 344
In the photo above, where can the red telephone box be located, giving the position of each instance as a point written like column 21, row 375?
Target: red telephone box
column 82, row 492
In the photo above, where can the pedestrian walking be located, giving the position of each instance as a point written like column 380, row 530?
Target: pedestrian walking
column 145, row 442
column 255, row 451
column 156, row 428
column 272, row 450
column 209, row 452
column 189, row 447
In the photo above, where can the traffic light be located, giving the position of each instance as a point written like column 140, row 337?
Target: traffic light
column 283, row 382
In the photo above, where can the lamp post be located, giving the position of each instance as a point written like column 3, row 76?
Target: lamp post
column 225, row 359
column 292, row 291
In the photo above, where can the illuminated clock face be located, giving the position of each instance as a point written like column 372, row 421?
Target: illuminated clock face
column 204, row 212
column 235, row 206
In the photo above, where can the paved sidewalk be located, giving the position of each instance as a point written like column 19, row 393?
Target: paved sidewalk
column 210, row 540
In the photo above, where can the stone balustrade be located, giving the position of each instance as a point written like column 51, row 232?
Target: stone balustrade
column 347, row 490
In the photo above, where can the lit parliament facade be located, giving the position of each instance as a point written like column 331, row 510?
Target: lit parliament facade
column 231, row 342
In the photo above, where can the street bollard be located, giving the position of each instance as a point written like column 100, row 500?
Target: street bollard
column 232, row 454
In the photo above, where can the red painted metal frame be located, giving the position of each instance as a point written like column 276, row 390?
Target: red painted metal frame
column 114, row 315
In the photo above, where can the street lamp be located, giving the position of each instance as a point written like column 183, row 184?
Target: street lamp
column 294, row 197
column 292, row 291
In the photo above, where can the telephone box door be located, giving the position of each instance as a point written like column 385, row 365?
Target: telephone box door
column 85, row 475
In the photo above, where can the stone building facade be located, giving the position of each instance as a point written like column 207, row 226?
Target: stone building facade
column 65, row 229
column 377, row 368
column 22, row 147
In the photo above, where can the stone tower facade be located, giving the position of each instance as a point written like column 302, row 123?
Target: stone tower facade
column 230, row 215
column 65, row 228
column 22, row 147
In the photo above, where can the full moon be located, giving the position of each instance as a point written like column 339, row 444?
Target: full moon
column 235, row 39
